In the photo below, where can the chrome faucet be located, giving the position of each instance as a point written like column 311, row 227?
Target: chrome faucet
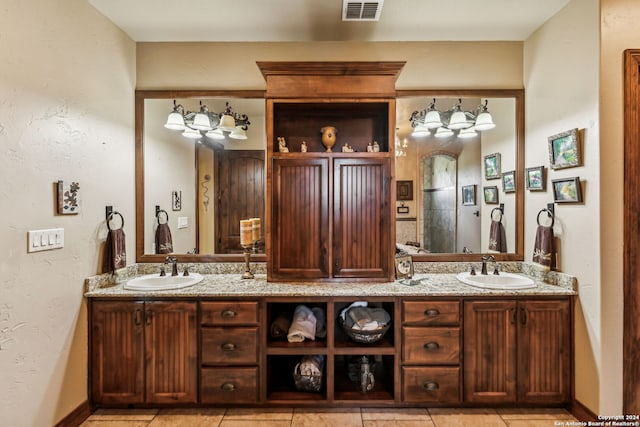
column 174, row 264
column 485, row 259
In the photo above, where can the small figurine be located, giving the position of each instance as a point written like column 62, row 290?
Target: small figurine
column 346, row 148
column 370, row 148
column 376, row 147
column 282, row 145
column 303, row 147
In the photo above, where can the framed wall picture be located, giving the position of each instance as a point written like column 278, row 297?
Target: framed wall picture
column 535, row 179
column 492, row 166
column 404, row 190
column 68, row 197
column 567, row 190
column 491, row 195
column 564, row 150
column 509, row 182
column 404, row 267
column 469, row 195
column 176, row 200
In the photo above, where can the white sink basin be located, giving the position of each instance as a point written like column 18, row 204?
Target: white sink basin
column 155, row 282
column 501, row 281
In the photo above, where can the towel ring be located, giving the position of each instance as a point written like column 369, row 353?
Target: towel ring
column 158, row 216
column 549, row 214
column 110, row 217
column 499, row 210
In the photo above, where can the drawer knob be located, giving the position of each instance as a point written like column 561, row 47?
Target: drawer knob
column 431, row 346
column 431, row 386
column 228, row 346
column 432, row 312
column 228, row 387
column 228, row 313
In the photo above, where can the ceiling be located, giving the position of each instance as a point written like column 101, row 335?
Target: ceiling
column 321, row 20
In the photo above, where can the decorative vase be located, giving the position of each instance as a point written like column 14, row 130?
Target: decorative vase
column 328, row 137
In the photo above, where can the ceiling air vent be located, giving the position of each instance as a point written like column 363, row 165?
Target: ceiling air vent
column 361, row 10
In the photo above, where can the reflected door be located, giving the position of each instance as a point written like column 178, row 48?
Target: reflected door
column 439, row 203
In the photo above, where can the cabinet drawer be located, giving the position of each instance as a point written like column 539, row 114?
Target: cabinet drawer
column 427, row 384
column 433, row 313
column 229, row 312
column 229, row 385
column 431, row 346
column 237, row 346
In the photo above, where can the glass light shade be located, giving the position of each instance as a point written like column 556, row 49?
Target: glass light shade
column 227, row 123
column 443, row 132
column 215, row 134
column 175, row 121
column 484, row 121
column 191, row 133
column 432, row 119
column 420, row 130
column 469, row 132
column 201, row 122
column 458, row 121
column 238, row 133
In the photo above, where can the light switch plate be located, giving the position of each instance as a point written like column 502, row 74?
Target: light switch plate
column 45, row 240
column 183, row 222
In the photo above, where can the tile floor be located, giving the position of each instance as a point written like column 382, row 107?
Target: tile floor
column 342, row 417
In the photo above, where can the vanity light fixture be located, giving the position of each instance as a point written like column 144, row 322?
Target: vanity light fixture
column 206, row 123
column 448, row 123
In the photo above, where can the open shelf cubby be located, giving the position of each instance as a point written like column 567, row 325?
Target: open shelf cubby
column 286, row 309
column 344, row 341
column 347, row 385
column 281, row 384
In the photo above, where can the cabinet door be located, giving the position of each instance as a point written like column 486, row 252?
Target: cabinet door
column 171, row 352
column 544, row 351
column 117, row 352
column 300, row 221
column 490, row 351
column 361, row 214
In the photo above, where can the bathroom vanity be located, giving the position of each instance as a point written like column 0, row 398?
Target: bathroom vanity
column 448, row 344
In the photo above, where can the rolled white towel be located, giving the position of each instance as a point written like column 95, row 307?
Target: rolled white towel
column 303, row 325
column 343, row 313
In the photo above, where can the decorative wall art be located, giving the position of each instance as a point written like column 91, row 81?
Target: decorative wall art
column 68, row 197
column 567, row 190
column 491, row 195
column 469, row 195
column 492, row 166
column 564, row 150
column 404, row 190
column 535, row 179
column 509, row 182
column 176, row 200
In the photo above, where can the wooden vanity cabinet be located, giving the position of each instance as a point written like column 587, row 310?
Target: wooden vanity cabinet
column 143, row 352
column 517, row 351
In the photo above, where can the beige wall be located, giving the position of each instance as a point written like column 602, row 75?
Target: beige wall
column 67, row 77
column 561, row 82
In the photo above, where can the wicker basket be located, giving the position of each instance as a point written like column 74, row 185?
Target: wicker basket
column 306, row 382
column 363, row 337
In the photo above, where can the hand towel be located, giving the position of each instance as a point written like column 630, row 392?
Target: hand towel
column 544, row 248
column 368, row 319
column 164, row 244
column 115, row 255
column 303, row 325
column 280, row 326
column 321, row 327
column 497, row 237
column 343, row 313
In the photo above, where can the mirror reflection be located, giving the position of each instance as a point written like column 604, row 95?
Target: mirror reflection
column 203, row 178
column 447, row 197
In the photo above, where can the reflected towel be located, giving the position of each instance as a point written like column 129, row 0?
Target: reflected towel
column 115, row 255
column 280, row 326
column 321, row 328
column 303, row 325
column 544, row 253
column 497, row 237
column 164, row 244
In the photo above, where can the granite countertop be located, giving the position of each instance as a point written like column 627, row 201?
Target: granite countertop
column 232, row 285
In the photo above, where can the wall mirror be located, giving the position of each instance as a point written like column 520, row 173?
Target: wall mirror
column 442, row 211
column 200, row 185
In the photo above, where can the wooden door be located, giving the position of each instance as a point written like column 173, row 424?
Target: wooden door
column 544, row 351
column 240, row 189
column 171, row 352
column 300, row 218
column 490, row 351
column 117, row 352
column 361, row 228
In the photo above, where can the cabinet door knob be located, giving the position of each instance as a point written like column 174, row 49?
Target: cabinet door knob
column 137, row 317
column 228, row 313
column 228, row 346
column 431, row 386
column 228, row 387
column 431, row 346
column 432, row 312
